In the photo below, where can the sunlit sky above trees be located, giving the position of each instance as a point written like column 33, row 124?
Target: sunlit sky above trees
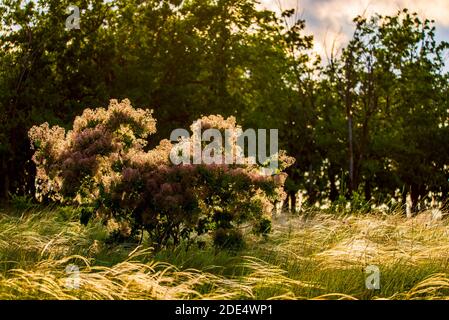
column 331, row 20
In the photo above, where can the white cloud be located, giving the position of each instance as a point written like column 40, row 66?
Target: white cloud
column 330, row 21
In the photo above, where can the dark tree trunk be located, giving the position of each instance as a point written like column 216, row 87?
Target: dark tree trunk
column 414, row 195
column 351, row 154
column 4, row 179
column 293, row 201
column 367, row 190
column 348, row 107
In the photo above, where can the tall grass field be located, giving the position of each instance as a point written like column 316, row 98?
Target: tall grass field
column 44, row 251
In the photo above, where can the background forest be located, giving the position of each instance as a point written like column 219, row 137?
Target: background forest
column 371, row 121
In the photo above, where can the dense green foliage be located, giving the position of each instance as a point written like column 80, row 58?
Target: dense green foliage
column 371, row 121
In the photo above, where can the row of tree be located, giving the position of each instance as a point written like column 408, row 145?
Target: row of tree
column 371, row 120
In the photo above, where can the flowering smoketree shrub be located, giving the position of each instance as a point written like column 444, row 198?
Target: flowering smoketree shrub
column 102, row 165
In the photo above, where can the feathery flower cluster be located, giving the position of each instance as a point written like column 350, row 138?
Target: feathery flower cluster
column 101, row 164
